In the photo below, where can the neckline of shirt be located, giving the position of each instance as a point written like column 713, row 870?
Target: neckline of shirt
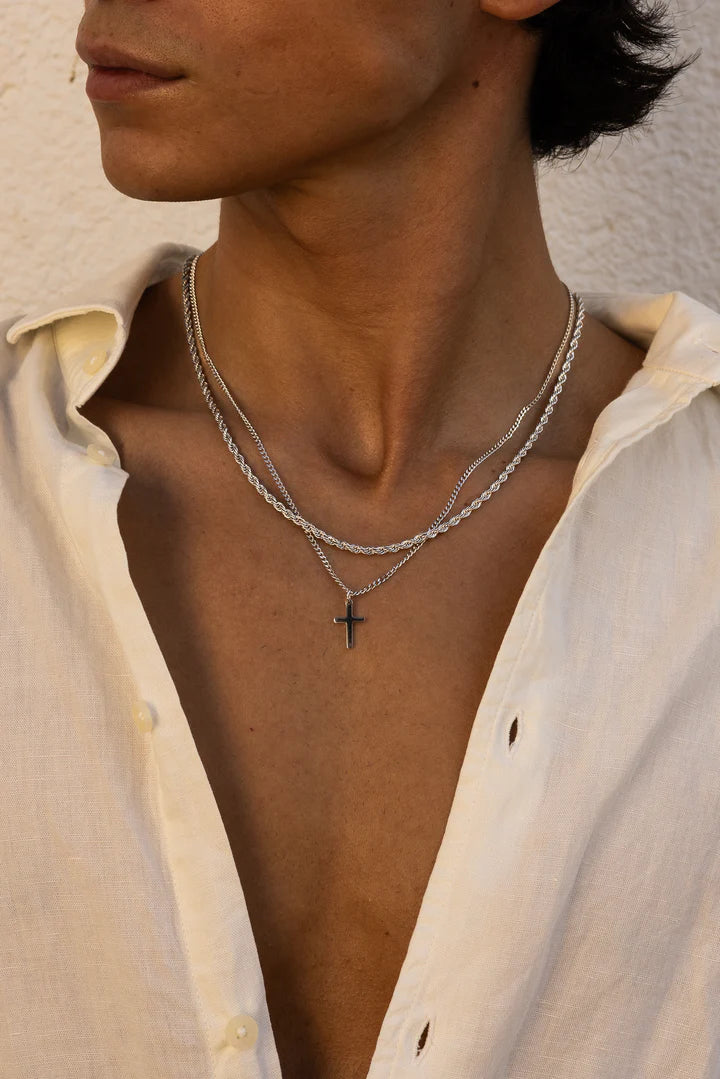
column 681, row 335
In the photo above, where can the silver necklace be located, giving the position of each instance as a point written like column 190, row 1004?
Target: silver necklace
column 192, row 323
column 308, row 526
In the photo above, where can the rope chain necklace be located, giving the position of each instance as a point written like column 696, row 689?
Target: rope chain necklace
column 313, row 532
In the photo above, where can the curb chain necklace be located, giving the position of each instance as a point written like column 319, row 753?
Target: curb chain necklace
column 313, row 532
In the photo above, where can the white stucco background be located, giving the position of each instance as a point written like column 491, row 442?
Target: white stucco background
column 639, row 212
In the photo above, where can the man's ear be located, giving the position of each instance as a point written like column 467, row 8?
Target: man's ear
column 515, row 9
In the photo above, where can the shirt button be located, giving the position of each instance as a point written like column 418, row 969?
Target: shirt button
column 99, row 454
column 142, row 715
column 241, row 1031
column 94, row 363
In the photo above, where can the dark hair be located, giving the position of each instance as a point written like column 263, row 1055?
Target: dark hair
column 595, row 72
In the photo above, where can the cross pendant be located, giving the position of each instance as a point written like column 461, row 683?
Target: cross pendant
column 348, row 621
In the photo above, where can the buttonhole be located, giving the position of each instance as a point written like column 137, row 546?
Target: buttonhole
column 422, row 1039
column 512, row 735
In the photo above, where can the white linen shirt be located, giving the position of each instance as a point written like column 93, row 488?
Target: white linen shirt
column 571, row 924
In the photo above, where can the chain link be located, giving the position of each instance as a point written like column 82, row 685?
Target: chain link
column 265, row 455
column 350, row 592
column 291, row 512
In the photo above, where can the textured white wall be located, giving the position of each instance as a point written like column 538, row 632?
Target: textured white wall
column 641, row 212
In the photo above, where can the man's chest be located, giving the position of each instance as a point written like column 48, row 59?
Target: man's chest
column 333, row 770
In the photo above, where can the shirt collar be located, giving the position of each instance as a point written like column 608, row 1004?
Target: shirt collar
column 92, row 319
column 680, row 334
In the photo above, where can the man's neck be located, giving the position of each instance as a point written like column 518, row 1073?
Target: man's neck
column 392, row 308
column 419, row 327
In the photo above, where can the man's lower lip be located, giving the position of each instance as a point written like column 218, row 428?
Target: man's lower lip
column 114, row 83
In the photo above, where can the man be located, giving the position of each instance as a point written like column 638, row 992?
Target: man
column 482, row 841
